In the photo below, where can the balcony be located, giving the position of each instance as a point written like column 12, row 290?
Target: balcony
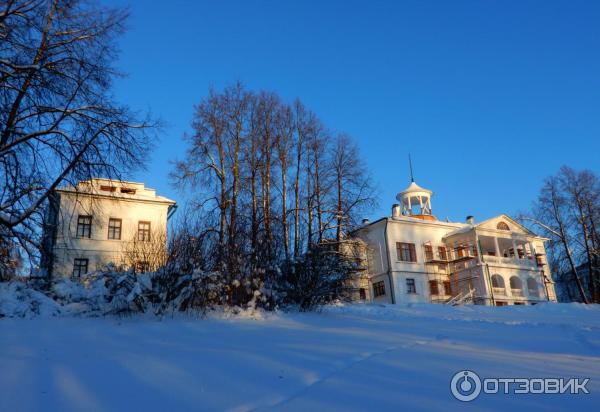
column 510, row 261
column 499, row 291
column 517, row 292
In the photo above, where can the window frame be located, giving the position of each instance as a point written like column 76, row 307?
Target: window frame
column 82, row 226
column 442, row 252
column 411, row 286
column 111, row 220
column 146, row 232
column 379, row 289
column 434, row 288
column 77, row 265
column 447, row 288
column 503, row 226
column 405, row 247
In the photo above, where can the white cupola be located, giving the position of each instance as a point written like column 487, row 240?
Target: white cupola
column 415, row 201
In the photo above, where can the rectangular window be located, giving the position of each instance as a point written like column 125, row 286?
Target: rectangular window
column 499, row 303
column 142, row 266
column 406, row 252
column 84, row 226
column 80, row 267
column 114, row 228
column 144, row 231
column 428, row 252
column 362, row 293
column 442, row 253
column 433, row 287
column 447, row 288
column 378, row 289
column 411, row 288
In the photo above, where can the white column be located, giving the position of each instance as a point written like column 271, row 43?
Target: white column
column 516, row 255
column 498, row 251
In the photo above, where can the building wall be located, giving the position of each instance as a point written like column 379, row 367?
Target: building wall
column 98, row 249
column 468, row 274
column 417, row 232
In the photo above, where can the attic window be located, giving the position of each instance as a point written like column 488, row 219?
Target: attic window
column 502, row 226
column 108, row 188
column 128, row 191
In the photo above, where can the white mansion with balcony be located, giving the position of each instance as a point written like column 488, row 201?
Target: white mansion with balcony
column 413, row 257
column 92, row 224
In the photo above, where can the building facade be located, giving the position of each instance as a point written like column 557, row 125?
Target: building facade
column 101, row 222
column 414, row 257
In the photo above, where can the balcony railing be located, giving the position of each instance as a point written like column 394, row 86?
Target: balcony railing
column 499, row 291
column 509, row 261
column 517, row 292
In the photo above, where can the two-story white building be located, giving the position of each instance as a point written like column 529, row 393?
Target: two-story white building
column 95, row 223
column 414, row 257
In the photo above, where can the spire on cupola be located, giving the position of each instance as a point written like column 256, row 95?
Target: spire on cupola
column 415, row 201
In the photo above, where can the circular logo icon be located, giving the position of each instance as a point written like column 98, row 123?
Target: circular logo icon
column 465, row 386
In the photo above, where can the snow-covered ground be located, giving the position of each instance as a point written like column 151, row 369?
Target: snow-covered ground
column 369, row 357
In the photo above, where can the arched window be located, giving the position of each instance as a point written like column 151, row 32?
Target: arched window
column 502, row 226
column 516, row 286
column 497, row 281
column 532, row 287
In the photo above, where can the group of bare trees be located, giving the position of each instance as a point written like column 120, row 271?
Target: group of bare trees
column 58, row 120
column 568, row 212
column 269, row 179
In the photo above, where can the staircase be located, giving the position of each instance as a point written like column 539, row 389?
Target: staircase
column 462, row 298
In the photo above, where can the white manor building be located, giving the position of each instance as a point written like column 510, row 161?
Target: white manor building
column 414, row 257
column 91, row 225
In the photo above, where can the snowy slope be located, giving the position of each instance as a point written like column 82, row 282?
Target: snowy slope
column 380, row 358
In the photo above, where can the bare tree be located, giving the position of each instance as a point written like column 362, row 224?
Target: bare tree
column 353, row 188
column 58, row 120
column 567, row 211
column 256, row 167
column 147, row 254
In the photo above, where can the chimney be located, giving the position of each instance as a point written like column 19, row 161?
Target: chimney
column 470, row 220
column 365, row 221
column 395, row 210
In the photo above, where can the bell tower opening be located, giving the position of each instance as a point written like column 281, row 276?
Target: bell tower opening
column 415, row 201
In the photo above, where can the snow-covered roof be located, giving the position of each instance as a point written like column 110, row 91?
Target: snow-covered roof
column 413, row 187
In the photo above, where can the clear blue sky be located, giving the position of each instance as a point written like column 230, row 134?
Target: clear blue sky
column 488, row 96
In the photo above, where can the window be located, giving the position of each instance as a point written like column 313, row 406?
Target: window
column 428, row 252
column 532, row 287
column 363, row 294
column 142, row 266
column 516, row 286
column 502, row 226
column 410, row 286
column 447, row 288
column 108, row 188
column 519, row 303
column 406, row 252
column 144, row 231
column 84, row 226
column 114, row 228
column 80, row 267
column 498, row 285
column 442, row 253
column 379, row 288
column 497, row 281
column 128, row 191
column 498, row 303
column 433, row 287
